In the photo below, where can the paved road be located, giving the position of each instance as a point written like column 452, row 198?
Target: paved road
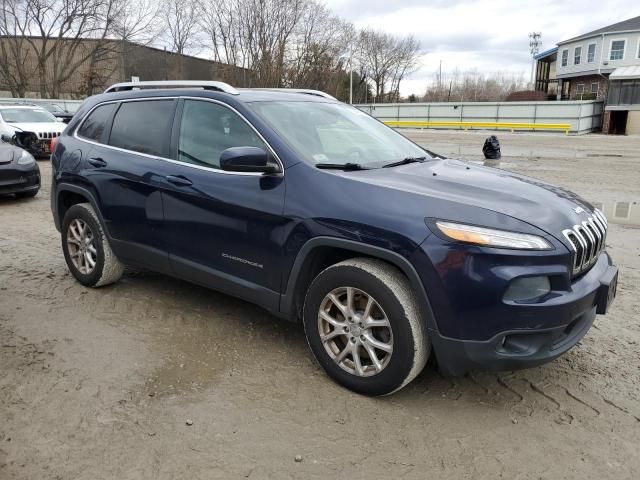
column 100, row 383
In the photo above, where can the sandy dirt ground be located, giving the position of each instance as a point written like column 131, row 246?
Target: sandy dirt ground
column 100, row 384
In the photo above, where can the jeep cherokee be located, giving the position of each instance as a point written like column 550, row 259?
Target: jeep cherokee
column 386, row 252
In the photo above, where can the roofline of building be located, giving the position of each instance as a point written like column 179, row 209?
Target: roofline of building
column 119, row 40
column 546, row 53
column 586, row 73
column 596, row 35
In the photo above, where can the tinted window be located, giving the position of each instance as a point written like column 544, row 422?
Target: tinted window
column 207, row 129
column 143, row 126
column 96, row 123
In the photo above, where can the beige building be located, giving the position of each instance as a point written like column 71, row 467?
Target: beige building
column 78, row 68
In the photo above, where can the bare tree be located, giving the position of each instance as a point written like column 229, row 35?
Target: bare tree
column 473, row 86
column 15, row 70
column 278, row 42
column 319, row 53
column 182, row 25
column 386, row 60
column 50, row 35
column 132, row 21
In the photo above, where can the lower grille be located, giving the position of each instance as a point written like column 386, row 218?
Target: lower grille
column 587, row 240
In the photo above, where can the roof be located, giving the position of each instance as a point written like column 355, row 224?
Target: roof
column 624, row 26
column 625, row 73
column 21, row 105
column 546, row 53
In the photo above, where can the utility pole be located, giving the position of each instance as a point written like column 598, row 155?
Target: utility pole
column 351, row 76
column 535, row 42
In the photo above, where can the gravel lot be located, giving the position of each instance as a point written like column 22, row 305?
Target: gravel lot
column 102, row 383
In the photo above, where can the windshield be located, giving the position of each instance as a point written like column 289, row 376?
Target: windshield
column 53, row 108
column 335, row 133
column 26, row 115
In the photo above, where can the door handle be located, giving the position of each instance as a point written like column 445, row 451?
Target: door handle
column 179, row 180
column 97, row 162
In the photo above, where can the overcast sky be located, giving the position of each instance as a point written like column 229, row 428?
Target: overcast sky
column 485, row 35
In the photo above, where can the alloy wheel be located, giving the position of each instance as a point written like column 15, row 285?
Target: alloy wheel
column 81, row 246
column 355, row 331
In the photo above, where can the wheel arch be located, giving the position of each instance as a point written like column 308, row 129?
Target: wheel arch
column 321, row 252
column 68, row 195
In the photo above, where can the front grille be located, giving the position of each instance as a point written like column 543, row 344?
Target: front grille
column 587, row 240
column 48, row 135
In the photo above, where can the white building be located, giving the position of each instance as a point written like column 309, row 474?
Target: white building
column 603, row 64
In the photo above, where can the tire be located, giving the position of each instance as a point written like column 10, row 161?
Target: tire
column 401, row 348
column 106, row 268
column 29, row 194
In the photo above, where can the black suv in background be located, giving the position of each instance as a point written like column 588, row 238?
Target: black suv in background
column 318, row 212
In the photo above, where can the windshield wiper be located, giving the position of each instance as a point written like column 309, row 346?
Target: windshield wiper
column 404, row 161
column 341, row 166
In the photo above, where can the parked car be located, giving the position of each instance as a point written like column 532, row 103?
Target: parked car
column 19, row 172
column 319, row 213
column 57, row 111
column 29, row 118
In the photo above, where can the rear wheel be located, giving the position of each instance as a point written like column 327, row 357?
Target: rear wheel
column 363, row 326
column 86, row 248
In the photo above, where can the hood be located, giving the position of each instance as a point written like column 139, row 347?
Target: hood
column 8, row 153
column 549, row 208
column 39, row 127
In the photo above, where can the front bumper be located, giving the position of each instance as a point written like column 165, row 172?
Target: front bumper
column 476, row 329
column 19, row 178
column 510, row 350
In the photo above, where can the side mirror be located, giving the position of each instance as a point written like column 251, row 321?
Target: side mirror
column 246, row 159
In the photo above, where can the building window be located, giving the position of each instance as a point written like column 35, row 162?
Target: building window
column 639, row 48
column 565, row 58
column 622, row 210
column 595, row 87
column 591, row 53
column 624, row 92
column 580, row 88
column 617, row 49
column 577, row 53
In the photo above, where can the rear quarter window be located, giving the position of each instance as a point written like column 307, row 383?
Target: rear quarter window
column 95, row 125
column 143, row 126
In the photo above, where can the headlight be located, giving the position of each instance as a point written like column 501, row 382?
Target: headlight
column 490, row 237
column 26, row 158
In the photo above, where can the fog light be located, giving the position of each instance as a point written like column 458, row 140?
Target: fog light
column 527, row 289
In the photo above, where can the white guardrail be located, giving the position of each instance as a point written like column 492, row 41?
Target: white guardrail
column 580, row 116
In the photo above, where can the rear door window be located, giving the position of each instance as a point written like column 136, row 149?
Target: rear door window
column 143, row 126
column 95, row 125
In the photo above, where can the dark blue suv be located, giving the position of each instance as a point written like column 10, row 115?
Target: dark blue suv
column 319, row 213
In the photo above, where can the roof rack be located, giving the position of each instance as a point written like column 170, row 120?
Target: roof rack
column 307, row 91
column 205, row 85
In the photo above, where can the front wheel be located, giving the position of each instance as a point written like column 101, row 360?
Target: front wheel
column 86, row 248
column 364, row 328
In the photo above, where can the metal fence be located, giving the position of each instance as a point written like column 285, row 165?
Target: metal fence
column 582, row 116
column 68, row 105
